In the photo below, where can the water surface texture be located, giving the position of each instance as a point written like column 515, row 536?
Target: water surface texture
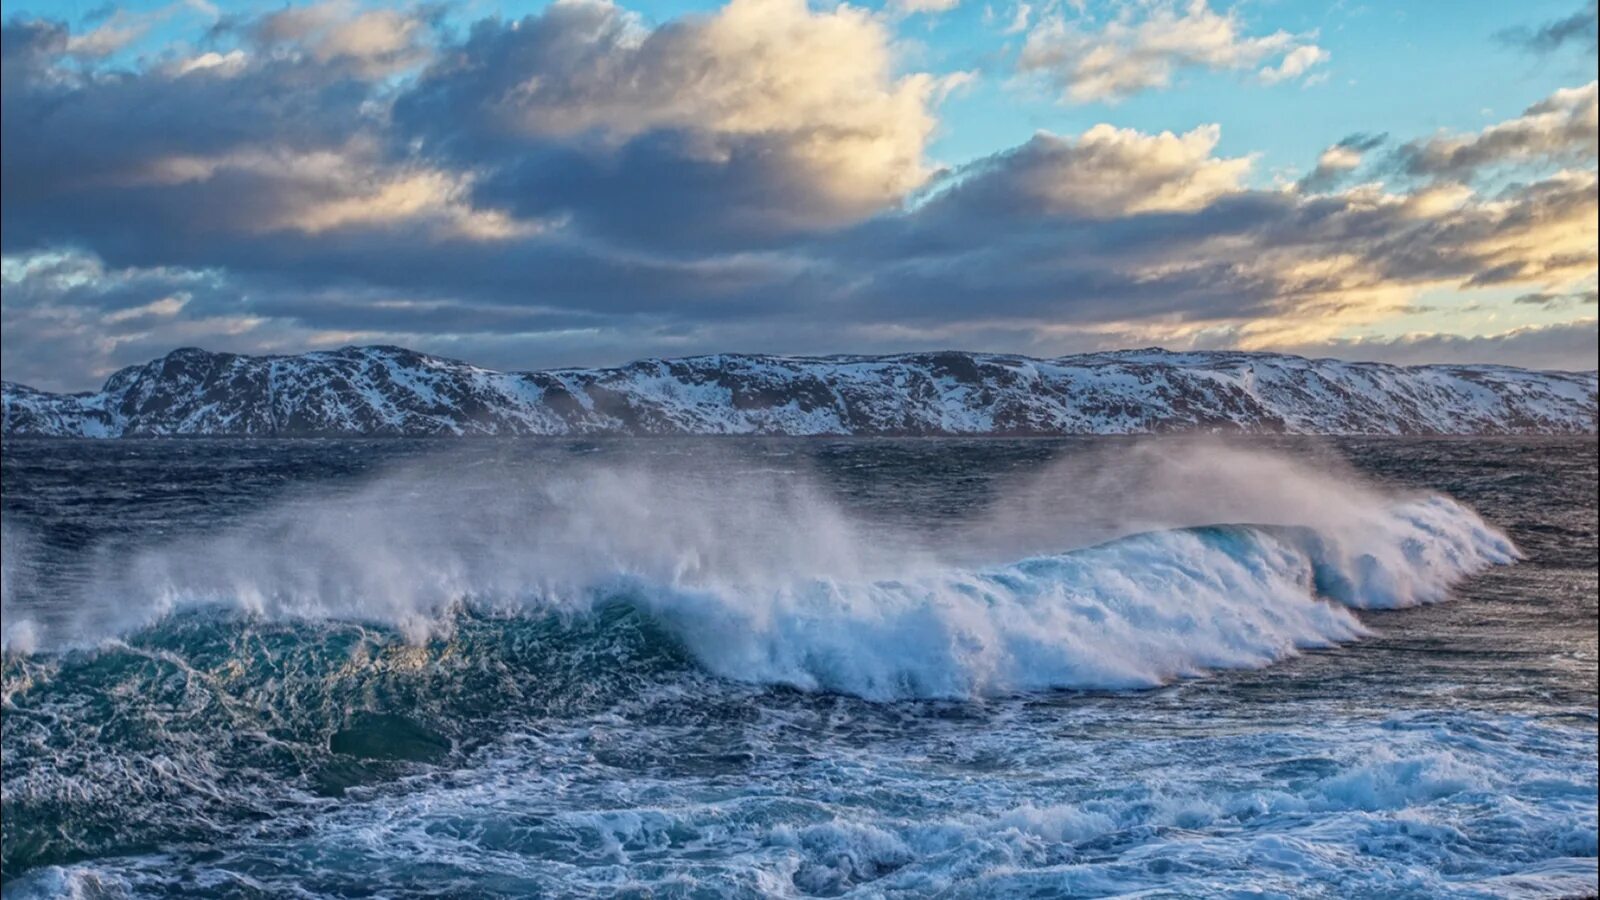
column 741, row 668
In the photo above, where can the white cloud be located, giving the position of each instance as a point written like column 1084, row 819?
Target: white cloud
column 1020, row 17
column 1295, row 63
column 931, row 7
column 1337, row 162
column 1144, row 46
column 344, row 188
column 1340, row 158
column 230, row 63
column 166, row 307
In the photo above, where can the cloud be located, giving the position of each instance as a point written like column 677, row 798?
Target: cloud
column 1295, row 63
column 69, row 320
column 111, row 36
column 932, row 7
column 69, row 307
column 1021, row 14
column 762, row 119
column 1106, row 172
column 281, row 134
column 967, row 267
column 1339, row 160
column 121, row 28
column 1580, row 29
column 1569, row 346
column 226, row 64
column 1016, row 239
column 1560, row 128
column 1144, row 46
column 1554, row 300
column 73, row 131
column 376, row 42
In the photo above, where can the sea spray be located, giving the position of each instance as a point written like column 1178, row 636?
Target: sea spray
column 765, row 578
column 1138, row 611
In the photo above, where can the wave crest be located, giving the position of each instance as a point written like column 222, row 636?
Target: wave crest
column 1135, row 612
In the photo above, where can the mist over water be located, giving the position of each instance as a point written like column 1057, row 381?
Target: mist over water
column 792, row 668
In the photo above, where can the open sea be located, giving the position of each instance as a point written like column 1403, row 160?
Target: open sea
column 1077, row 667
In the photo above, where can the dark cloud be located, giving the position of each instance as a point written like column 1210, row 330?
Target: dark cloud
column 109, row 157
column 1551, row 300
column 656, row 191
column 1569, row 346
column 1579, row 29
column 29, row 50
column 1560, row 129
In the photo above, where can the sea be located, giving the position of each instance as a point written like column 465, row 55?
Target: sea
column 748, row 667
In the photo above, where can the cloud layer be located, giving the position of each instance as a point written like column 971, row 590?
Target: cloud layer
column 578, row 186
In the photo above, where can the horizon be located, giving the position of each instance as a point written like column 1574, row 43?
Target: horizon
column 529, row 185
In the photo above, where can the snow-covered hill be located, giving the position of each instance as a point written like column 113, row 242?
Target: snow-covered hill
column 394, row 391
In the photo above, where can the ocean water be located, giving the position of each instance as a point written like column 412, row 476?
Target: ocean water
column 751, row 668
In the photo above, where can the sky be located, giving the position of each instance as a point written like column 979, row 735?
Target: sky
column 527, row 184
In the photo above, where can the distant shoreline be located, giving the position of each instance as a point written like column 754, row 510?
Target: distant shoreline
column 394, row 392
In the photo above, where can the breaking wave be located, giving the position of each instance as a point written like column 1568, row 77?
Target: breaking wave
column 767, row 581
column 1136, row 612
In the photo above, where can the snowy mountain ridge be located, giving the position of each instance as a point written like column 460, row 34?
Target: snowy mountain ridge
column 392, row 391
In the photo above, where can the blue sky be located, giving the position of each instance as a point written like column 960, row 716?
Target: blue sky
column 523, row 184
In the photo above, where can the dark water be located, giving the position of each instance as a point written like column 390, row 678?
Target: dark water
column 778, row 668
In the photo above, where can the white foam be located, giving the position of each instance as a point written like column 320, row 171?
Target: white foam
column 1137, row 612
column 1414, row 805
